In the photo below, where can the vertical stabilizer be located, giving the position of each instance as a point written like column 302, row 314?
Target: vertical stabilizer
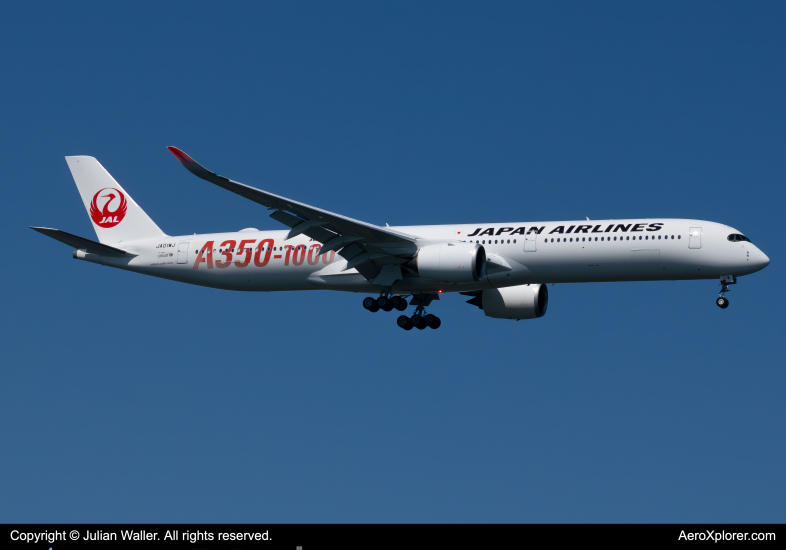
column 114, row 214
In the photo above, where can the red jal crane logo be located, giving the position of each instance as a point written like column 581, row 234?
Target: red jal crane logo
column 104, row 216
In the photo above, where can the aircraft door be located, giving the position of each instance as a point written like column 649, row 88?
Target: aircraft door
column 531, row 242
column 694, row 240
column 182, row 253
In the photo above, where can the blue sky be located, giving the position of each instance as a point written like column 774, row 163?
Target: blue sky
column 127, row 398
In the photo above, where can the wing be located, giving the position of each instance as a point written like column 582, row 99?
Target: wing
column 365, row 246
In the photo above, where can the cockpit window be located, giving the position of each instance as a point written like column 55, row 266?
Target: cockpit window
column 736, row 238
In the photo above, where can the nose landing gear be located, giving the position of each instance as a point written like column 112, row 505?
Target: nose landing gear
column 725, row 281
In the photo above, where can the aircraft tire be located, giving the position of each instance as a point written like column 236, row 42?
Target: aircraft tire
column 404, row 322
column 370, row 304
column 399, row 303
column 418, row 322
column 722, row 302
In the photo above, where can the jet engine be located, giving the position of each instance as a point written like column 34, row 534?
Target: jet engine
column 513, row 302
column 452, row 262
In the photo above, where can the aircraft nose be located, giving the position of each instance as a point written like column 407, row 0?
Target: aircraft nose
column 764, row 260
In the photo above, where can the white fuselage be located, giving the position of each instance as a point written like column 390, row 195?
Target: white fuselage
column 518, row 253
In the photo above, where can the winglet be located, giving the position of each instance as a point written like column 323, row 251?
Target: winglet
column 194, row 167
column 190, row 164
column 181, row 156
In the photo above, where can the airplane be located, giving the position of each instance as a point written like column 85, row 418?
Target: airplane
column 504, row 267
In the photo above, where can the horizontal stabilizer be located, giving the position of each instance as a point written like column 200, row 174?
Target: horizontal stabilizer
column 82, row 243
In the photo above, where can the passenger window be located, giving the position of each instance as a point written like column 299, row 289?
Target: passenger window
column 679, row 236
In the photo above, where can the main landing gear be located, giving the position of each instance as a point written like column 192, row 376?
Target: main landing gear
column 385, row 303
column 420, row 320
column 725, row 281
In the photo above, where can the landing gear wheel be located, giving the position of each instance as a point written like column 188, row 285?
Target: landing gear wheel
column 370, row 304
column 432, row 321
column 385, row 303
column 404, row 322
column 722, row 302
column 399, row 303
column 418, row 322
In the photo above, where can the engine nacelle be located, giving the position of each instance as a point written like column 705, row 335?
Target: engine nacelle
column 516, row 302
column 452, row 262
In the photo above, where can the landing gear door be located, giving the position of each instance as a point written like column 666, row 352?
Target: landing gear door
column 694, row 239
column 182, row 253
column 530, row 242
